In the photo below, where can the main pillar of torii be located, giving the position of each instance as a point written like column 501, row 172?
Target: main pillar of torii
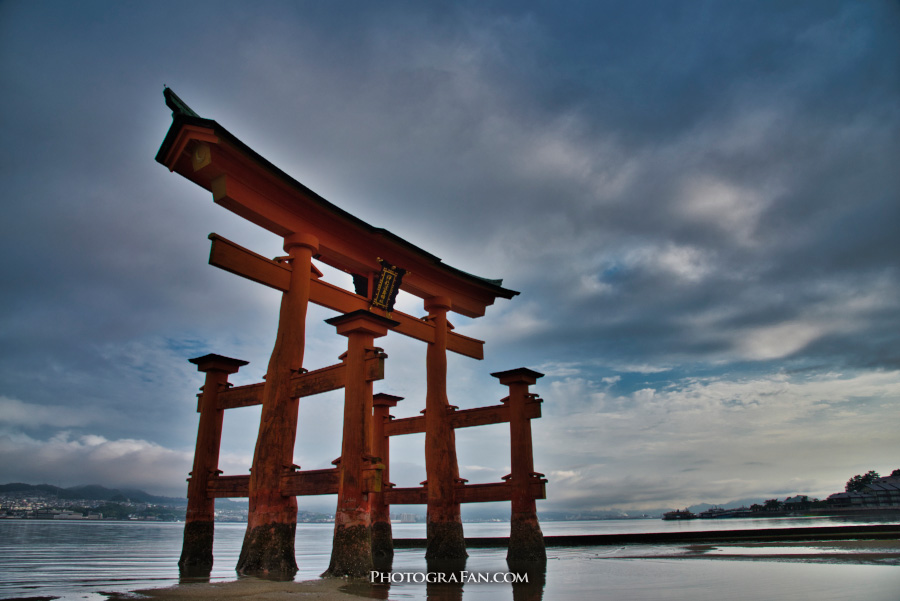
column 272, row 520
column 444, row 521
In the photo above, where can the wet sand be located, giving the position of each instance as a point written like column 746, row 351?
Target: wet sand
column 254, row 589
column 862, row 552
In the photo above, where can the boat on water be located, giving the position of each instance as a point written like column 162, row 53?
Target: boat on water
column 679, row 514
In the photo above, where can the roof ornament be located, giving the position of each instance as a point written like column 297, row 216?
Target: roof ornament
column 178, row 106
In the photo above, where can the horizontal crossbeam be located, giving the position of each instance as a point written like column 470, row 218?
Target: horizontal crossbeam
column 297, row 484
column 221, row 487
column 311, row 482
column 466, row 493
column 322, row 380
column 326, row 481
column 238, row 260
column 465, row 418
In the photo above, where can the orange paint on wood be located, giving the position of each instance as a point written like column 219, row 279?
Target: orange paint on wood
column 238, row 260
column 351, row 553
column 466, row 493
column 229, row 486
column 270, row 510
column 209, row 433
column 463, row 418
column 196, row 552
column 318, row 381
column 243, row 182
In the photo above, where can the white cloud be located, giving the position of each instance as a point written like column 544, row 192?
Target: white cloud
column 643, row 368
column 715, row 439
column 687, row 262
column 509, row 323
column 16, row 413
column 780, row 340
column 93, row 459
column 732, row 208
column 556, row 369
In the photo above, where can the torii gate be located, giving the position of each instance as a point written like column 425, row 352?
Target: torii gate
column 242, row 181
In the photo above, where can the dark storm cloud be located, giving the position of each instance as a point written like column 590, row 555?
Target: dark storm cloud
column 767, row 200
column 680, row 190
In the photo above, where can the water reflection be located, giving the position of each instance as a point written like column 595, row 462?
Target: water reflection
column 530, row 579
column 194, row 574
column 445, row 581
column 75, row 560
column 383, row 565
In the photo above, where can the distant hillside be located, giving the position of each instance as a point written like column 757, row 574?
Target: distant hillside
column 93, row 492
column 730, row 505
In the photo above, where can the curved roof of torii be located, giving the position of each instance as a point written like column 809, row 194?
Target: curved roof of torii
column 246, row 183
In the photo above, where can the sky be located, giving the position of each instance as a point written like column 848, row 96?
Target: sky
column 698, row 201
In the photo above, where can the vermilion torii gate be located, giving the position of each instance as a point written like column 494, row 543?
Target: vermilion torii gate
column 242, row 181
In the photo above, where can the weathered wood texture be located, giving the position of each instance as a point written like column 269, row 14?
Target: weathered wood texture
column 297, row 484
column 221, row 487
column 318, row 381
column 464, row 418
column 466, row 493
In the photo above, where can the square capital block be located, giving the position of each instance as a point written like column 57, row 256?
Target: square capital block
column 385, row 400
column 362, row 321
column 213, row 362
column 521, row 375
column 437, row 304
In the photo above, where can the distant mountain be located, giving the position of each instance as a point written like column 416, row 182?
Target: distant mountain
column 729, row 505
column 91, row 492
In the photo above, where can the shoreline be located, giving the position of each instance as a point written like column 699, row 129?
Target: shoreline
column 817, row 533
column 881, row 552
column 246, row 587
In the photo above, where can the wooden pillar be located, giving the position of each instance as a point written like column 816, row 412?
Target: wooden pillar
column 351, row 551
column 382, row 534
column 272, row 522
column 444, row 522
column 526, row 541
column 196, row 551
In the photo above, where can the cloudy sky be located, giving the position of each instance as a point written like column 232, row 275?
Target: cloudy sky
column 699, row 202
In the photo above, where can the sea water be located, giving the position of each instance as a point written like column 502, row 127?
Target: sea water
column 76, row 560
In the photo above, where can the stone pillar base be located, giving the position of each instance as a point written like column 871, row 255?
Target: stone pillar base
column 197, row 549
column 446, row 541
column 351, row 552
column 382, row 540
column 526, row 541
column 268, row 550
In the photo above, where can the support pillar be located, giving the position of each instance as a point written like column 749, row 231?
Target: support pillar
column 444, row 521
column 268, row 547
column 196, row 551
column 526, row 541
column 351, row 551
column 382, row 534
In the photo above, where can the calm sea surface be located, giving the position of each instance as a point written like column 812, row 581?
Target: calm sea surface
column 81, row 560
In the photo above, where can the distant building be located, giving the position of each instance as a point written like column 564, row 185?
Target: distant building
column 798, row 503
column 851, row 499
column 887, row 489
column 883, row 492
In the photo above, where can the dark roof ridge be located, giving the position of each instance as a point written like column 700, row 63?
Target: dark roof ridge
column 183, row 114
column 177, row 105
